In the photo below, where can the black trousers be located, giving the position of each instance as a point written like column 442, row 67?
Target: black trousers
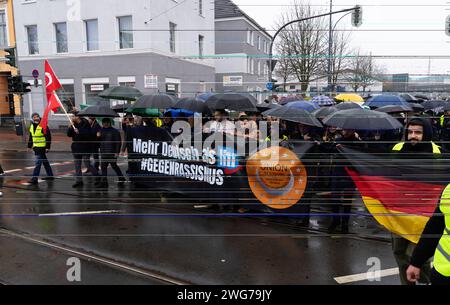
column 437, row 279
column 1, row 170
column 79, row 159
column 110, row 159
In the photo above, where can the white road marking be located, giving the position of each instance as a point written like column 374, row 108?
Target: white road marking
column 365, row 276
column 13, row 171
column 80, row 213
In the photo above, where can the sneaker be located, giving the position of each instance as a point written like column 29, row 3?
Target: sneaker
column 77, row 185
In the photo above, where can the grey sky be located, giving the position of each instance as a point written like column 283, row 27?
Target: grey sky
column 387, row 29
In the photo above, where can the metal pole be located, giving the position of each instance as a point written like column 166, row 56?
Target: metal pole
column 330, row 49
column 292, row 22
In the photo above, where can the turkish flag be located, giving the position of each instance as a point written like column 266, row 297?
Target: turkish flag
column 51, row 85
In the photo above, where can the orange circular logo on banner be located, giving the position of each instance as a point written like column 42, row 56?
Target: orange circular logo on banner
column 277, row 177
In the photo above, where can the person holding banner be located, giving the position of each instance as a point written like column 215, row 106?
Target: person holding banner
column 81, row 133
column 40, row 142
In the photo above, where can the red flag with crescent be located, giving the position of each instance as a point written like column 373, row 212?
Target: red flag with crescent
column 51, row 85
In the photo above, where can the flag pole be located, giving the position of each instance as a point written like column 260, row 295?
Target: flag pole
column 64, row 109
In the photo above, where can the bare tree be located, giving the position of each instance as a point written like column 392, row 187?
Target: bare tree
column 303, row 43
column 284, row 68
column 340, row 60
column 363, row 72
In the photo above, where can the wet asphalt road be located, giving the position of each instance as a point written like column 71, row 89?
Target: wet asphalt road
column 163, row 241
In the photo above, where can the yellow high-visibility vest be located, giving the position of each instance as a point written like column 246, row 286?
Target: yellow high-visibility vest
column 38, row 136
column 442, row 120
column 442, row 255
column 436, row 148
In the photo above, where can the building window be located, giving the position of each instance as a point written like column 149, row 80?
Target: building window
column 91, row 35
column 251, row 65
column 32, row 35
column 172, row 31
column 200, row 7
column 61, row 37
column 67, row 98
column 125, row 32
column 250, row 36
column 201, row 41
column 3, row 30
column 92, row 91
column 259, row 43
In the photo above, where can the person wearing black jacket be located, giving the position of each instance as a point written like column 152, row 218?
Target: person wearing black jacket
column 95, row 145
column 342, row 185
column 40, row 142
column 81, row 134
column 419, row 146
column 110, row 145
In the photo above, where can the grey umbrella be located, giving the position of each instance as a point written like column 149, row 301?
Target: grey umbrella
column 395, row 109
column 98, row 112
column 154, row 101
column 417, row 107
column 293, row 115
column 362, row 119
column 347, row 106
column 192, row 104
column 324, row 112
column 121, row 93
column 232, row 101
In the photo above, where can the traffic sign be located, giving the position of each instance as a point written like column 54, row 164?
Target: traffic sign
column 269, row 86
column 35, row 74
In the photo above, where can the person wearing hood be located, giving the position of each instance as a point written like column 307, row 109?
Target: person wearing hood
column 40, row 142
column 81, row 133
column 418, row 145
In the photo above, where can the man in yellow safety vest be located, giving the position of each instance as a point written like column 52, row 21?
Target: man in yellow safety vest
column 40, row 143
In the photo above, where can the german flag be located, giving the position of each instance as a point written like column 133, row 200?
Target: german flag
column 401, row 194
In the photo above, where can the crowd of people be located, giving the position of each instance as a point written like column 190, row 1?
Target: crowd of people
column 424, row 136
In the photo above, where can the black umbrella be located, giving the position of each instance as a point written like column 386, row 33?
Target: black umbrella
column 122, row 93
column 98, row 112
column 192, row 104
column 421, row 97
column 155, row 101
column 347, row 106
column 97, row 101
column 395, row 109
column 120, row 108
column 429, row 105
column 417, row 107
column 232, row 101
column 324, row 112
column 408, row 97
column 362, row 119
column 266, row 106
column 293, row 115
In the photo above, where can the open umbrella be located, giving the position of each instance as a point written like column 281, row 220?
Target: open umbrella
column 349, row 97
column 362, row 119
column 154, row 101
column 417, row 107
column 232, row 101
column 385, row 100
column 144, row 112
column 429, row 105
column 308, row 106
column 122, row 93
column 98, row 111
column 347, row 106
column 323, row 101
column 193, row 105
column 97, row 100
column 288, row 99
column 395, row 109
column 293, row 115
column 204, row 96
column 408, row 97
column 179, row 113
column 324, row 112
column 266, row 106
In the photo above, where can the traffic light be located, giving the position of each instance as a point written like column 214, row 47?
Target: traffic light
column 357, row 16
column 17, row 85
column 10, row 57
column 447, row 26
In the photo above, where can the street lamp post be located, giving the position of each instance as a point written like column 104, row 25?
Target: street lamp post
column 295, row 21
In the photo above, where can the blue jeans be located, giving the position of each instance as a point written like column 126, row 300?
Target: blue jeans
column 41, row 159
